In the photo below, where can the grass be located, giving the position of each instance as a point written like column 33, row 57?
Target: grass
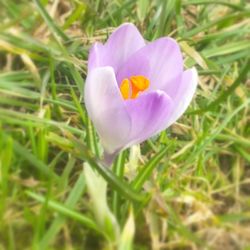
column 187, row 188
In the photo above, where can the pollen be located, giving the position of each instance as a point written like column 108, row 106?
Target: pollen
column 130, row 88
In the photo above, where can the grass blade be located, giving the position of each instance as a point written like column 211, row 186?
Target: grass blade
column 62, row 209
column 51, row 24
column 147, row 170
column 115, row 182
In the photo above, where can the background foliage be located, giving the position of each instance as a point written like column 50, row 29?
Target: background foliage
column 187, row 188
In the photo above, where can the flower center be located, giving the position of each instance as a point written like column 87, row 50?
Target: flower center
column 130, row 88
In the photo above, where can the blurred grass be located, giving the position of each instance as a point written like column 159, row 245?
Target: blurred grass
column 188, row 188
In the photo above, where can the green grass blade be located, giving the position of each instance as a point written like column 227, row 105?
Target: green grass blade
column 147, row 170
column 64, row 210
column 115, row 182
column 224, row 95
column 39, row 165
column 51, row 24
column 74, row 196
column 118, row 169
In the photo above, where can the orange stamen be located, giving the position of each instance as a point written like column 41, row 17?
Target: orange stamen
column 139, row 84
column 125, row 88
column 130, row 88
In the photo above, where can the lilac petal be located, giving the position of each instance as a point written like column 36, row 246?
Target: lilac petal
column 160, row 61
column 95, row 56
column 182, row 96
column 122, row 43
column 106, row 108
column 135, row 65
column 147, row 113
column 166, row 61
column 109, row 158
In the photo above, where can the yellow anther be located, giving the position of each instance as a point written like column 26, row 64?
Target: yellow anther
column 125, row 88
column 139, row 82
column 130, row 88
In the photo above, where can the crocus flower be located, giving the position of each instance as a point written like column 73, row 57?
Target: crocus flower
column 135, row 89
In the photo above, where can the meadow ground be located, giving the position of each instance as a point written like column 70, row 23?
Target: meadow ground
column 188, row 188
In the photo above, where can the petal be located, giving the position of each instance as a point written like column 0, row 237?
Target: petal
column 166, row 61
column 160, row 61
column 147, row 113
column 183, row 94
column 95, row 56
column 122, row 43
column 134, row 66
column 106, row 108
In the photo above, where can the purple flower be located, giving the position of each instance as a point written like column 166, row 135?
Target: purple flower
column 135, row 89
